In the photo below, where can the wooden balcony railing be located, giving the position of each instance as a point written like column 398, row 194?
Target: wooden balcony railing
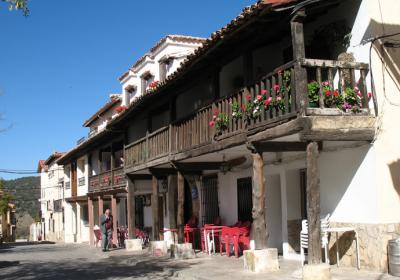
column 107, row 179
column 277, row 96
column 118, row 176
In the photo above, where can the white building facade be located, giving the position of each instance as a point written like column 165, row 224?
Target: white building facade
column 52, row 198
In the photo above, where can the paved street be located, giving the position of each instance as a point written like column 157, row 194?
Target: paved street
column 59, row 261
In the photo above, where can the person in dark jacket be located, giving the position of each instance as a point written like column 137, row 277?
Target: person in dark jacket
column 106, row 227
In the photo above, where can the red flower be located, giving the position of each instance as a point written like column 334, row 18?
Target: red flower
column 336, row 93
column 264, row 91
column 248, row 97
column 276, row 87
column 369, row 94
column 266, row 102
column 327, row 93
column 259, row 97
column 120, row 109
column 243, row 107
column 211, row 124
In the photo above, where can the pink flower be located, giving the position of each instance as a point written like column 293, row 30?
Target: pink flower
column 266, row 102
column 259, row 97
column 356, row 89
column 248, row 97
column 211, row 124
column 359, row 94
column 278, row 98
column 280, row 72
column 276, row 87
column 264, row 91
column 325, row 83
column 327, row 93
column 216, row 112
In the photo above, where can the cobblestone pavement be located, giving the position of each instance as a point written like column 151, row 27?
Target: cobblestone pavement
column 60, row 261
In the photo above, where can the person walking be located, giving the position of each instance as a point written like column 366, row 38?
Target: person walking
column 106, row 227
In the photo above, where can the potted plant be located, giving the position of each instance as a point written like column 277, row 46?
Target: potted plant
column 313, row 94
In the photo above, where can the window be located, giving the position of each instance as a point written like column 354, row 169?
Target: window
column 147, row 78
column 165, row 65
column 130, row 90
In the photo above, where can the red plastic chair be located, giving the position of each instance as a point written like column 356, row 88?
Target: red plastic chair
column 227, row 238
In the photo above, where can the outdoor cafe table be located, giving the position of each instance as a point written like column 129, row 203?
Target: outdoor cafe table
column 343, row 230
column 209, row 237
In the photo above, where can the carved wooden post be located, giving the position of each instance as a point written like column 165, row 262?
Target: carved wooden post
column 313, row 205
column 259, row 227
column 114, row 212
column 181, row 201
column 131, row 209
column 296, row 25
column 91, row 221
column 154, row 204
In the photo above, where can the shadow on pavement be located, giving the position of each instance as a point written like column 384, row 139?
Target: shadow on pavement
column 154, row 268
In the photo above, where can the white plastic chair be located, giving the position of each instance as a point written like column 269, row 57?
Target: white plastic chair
column 324, row 238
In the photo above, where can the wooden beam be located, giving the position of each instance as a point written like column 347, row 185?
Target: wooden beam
column 114, row 211
column 154, row 205
column 259, row 227
column 279, row 146
column 101, row 205
column 133, row 177
column 91, row 221
column 131, row 209
column 181, row 201
column 172, row 195
column 162, row 172
column 313, row 205
column 198, row 166
column 297, row 31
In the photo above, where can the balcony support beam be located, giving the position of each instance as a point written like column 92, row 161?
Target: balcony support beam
column 131, row 209
column 101, row 205
column 91, row 221
column 259, row 226
column 155, row 206
column 114, row 211
column 181, row 210
column 313, row 204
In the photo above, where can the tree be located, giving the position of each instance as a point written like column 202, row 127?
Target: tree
column 5, row 199
column 18, row 5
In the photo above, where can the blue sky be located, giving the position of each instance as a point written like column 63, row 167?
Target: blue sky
column 59, row 65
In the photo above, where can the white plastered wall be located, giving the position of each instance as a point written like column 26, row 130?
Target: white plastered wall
column 368, row 24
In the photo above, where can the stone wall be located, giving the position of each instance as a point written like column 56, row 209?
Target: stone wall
column 373, row 241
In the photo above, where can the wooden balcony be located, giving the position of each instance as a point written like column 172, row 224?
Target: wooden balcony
column 274, row 99
column 107, row 180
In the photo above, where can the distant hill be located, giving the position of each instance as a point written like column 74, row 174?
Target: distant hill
column 26, row 191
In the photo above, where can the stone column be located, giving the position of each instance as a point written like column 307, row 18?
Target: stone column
column 91, row 221
column 114, row 212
